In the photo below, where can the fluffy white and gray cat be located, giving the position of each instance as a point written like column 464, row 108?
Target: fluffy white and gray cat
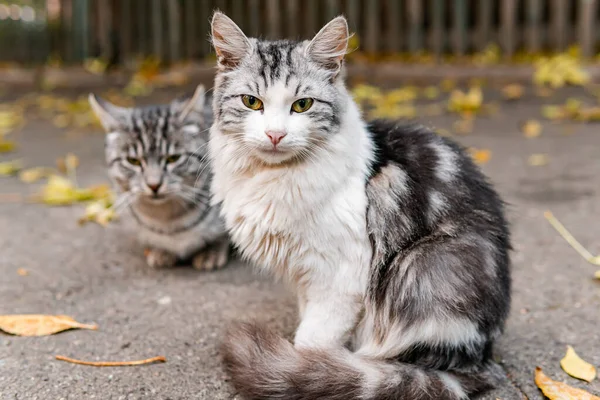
column 394, row 241
column 156, row 156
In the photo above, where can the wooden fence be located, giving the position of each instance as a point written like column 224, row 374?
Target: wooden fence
column 171, row 30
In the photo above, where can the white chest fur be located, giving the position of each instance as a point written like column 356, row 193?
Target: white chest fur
column 306, row 222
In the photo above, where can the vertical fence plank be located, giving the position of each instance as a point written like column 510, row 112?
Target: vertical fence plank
column 104, row 30
column 273, row 18
column 292, row 19
column 174, row 30
column 237, row 13
column 415, row 25
column 484, row 23
column 559, row 24
column 204, row 27
column 533, row 21
column 332, row 9
column 372, row 26
column 459, row 28
column 191, row 38
column 353, row 15
column 508, row 26
column 157, row 29
column 393, row 19
column 66, row 29
column 586, row 18
column 126, row 25
column 254, row 21
column 438, row 31
column 81, row 28
column 312, row 17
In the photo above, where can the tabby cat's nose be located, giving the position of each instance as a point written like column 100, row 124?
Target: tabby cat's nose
column 154, row 187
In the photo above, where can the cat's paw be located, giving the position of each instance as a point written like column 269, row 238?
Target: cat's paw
column 212, row 257
column 156, row 258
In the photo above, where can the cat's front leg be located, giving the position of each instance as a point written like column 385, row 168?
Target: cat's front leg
column 212, row 257
column 157, row 258
column 328, row 319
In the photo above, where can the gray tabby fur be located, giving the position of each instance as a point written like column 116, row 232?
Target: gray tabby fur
column 175, row 221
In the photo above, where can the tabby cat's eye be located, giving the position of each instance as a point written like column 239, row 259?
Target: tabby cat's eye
column 134, row 161
column 252, row 102
column 302, row 105
column 173, row 158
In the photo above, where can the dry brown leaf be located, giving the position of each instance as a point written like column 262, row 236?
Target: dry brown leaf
column 39, row 325
column 113, row 363
column 531, row 128
column 480, row 156
column 573, row 365
column 22, row 272
column 514, row 91
column 538, row 160
column 560, row 391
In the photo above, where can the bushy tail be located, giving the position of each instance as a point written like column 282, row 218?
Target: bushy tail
column 266, row 366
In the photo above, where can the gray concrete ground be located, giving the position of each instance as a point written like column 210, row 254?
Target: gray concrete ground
column 98, row 275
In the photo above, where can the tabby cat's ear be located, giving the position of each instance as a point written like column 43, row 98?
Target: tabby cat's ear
column 231, row 45
column 111, row 117
column 191, row 107
column 329, row 46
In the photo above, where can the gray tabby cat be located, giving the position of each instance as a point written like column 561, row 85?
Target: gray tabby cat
column 393, row 240
column 156, row 157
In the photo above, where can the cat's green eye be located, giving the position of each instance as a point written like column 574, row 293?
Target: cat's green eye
column 172, row 158
column 252, row 102
column 302, row 105
column 134, row 161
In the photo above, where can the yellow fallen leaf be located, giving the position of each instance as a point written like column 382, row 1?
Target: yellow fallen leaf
column 531, row 128
column 7, row 145
column 573, row 365
column 61, row 191
column 448, row 84
column 597, row 274
column 39, row 325
column 560, row 391
column 553, row 112
column 99, row 211
column 32, row 175
column 10, row 167
column 95, row 66
column 466, row 103
column 22, row 272
column 431, row 92
column 480, row 156
column 537, row 160
column 513, row 91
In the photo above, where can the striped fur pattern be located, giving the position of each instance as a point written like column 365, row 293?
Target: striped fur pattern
column 156, row 157
column 393, row 240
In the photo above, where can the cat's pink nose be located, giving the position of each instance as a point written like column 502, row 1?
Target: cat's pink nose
column 275, row 136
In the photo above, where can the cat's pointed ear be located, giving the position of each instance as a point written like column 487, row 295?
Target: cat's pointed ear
column 329, row 46
column 111, row 117
column 231, row 45
column 191, row 107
